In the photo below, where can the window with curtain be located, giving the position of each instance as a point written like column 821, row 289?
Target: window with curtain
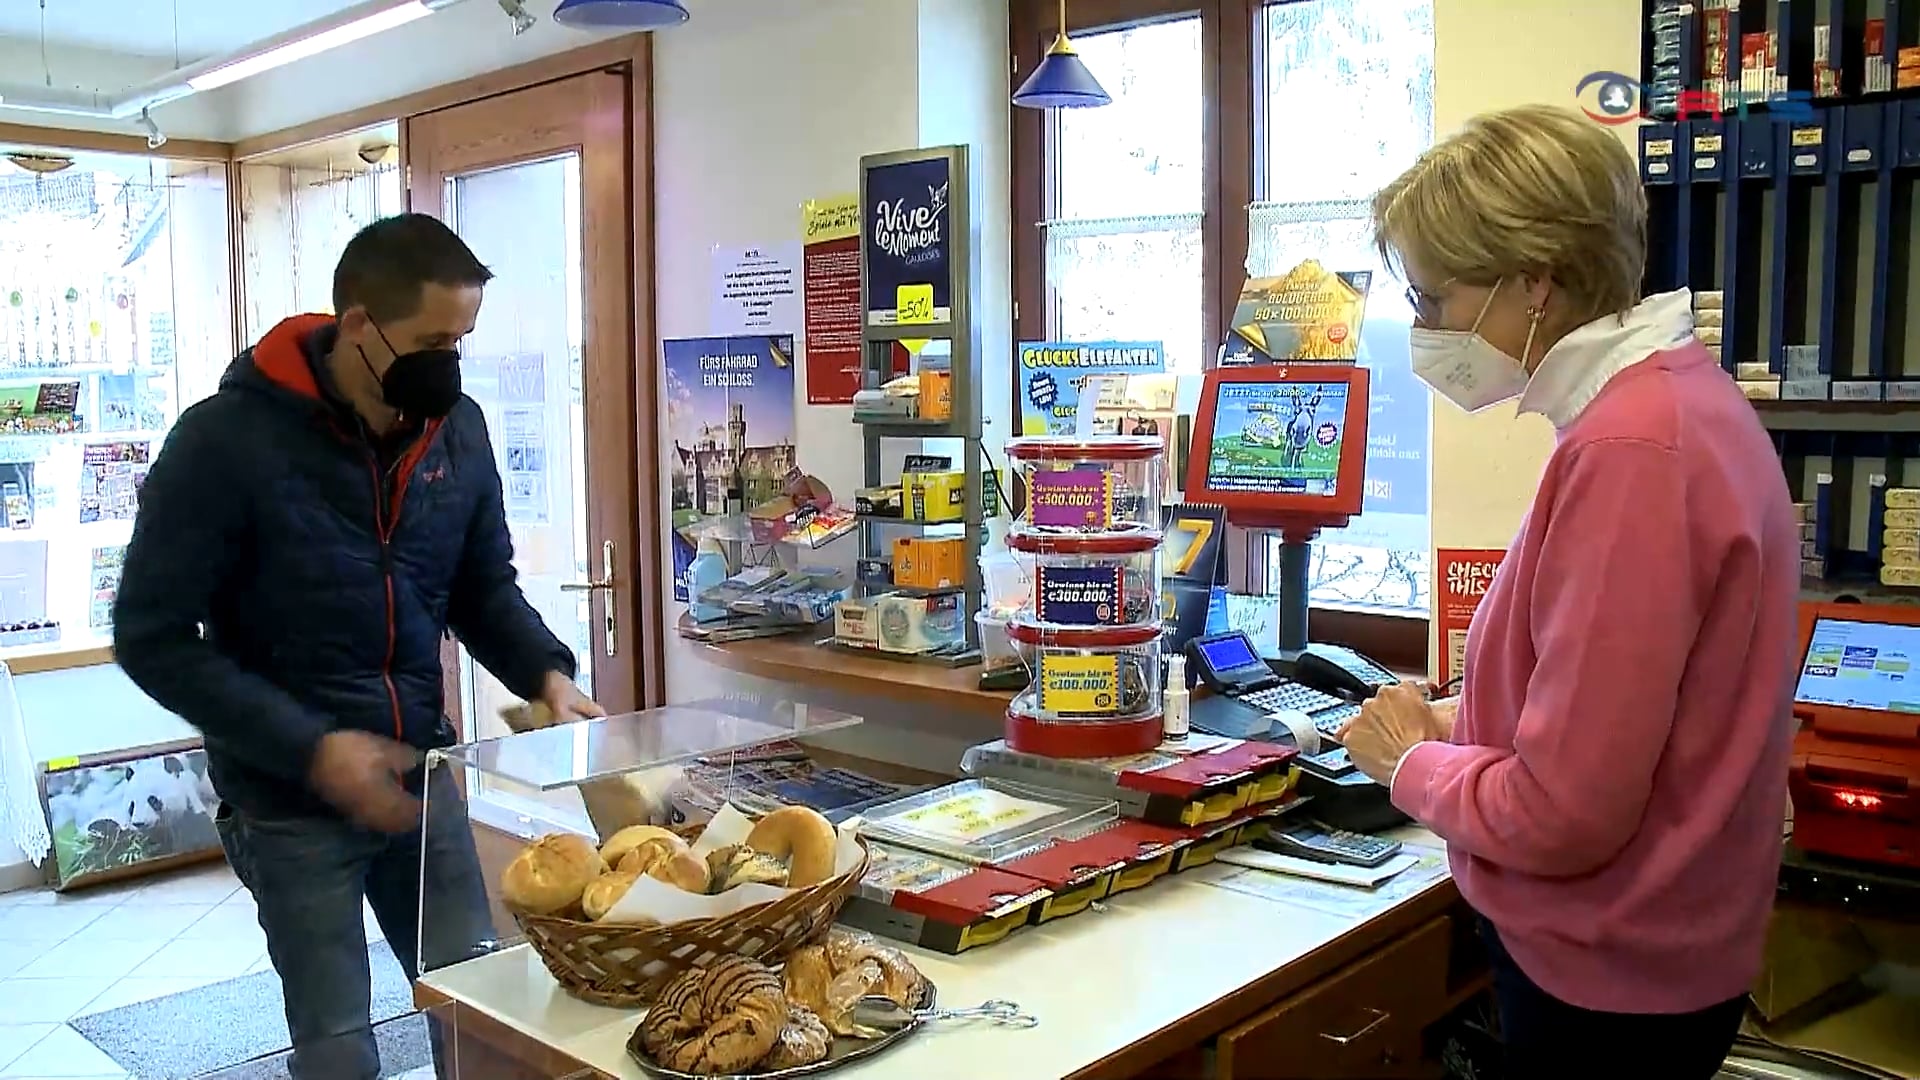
column 1123, row 246
column 115, row 314
column 1348, row 101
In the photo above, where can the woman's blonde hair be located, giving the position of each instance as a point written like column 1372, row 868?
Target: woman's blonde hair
column 1533, row 190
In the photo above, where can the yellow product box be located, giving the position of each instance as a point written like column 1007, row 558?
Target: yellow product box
column 935, row 497
column 1898, row 518
column 1900, row 538
column 1760, row 389
column 1805, row 510
column 1907, row 577
column 929, row 563
column 1753, row 370
column 936, row 395
column 1903, row 498
column 1904, row 557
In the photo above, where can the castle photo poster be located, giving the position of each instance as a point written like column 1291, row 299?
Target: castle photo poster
column 730, row 416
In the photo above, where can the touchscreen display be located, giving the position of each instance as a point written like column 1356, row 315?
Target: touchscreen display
column 1860, row 665
column 1278, row 438
column 1228, row 653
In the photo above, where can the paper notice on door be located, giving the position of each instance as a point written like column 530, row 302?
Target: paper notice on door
column 523, row 437
column 523, row 379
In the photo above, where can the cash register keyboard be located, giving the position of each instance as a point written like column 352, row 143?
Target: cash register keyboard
column 1291, row 695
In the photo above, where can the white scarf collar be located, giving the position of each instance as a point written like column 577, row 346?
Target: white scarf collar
column 1581, row 364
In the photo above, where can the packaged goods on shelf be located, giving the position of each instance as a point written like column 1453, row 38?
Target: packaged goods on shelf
column 1708, row 300
column 1858, row 389
column 1902, row 556
column 918, row 624
column 921, row 562
column 883, row 502
column 1753, row 369
column 1903, row 498
column 1708, row 335
column 1806, row 511
column 1760, row 389
column 1902, row 577
column 1813, row 569
column 1806, row 389
column 1900, row 538
column 1901, row 517
column 856, row 623
column 1707, row 317
column 1803, row 362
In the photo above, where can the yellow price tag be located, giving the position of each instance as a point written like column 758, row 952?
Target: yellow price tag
column 913, row 304
column 60, row 764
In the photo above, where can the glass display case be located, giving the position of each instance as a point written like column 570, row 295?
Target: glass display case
column 588, row 778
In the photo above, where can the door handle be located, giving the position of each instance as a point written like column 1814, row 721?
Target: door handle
column 1357, row 1034
column 609, row 619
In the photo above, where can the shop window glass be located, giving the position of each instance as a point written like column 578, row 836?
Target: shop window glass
column 298, row 217
column 115, row 314
column 1349, row 105
column 1123, row 252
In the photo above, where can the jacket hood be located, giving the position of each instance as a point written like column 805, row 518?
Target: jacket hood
column 283, row 358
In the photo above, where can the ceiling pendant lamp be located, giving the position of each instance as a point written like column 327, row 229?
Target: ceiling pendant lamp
column 620, row 14
column 1062, row 80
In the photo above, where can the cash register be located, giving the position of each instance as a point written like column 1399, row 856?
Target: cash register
column 1855, row 778
column 1282, row 446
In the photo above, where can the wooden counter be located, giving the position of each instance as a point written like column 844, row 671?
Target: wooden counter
column 1182, row 980
column 799, row 660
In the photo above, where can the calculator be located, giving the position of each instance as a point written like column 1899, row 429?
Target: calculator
column 1315, row 842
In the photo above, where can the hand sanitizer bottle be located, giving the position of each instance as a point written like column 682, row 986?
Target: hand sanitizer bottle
column 1173, row 704
column 709, row 568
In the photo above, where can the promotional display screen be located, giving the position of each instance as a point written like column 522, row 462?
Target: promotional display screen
column 1860, row 665
column 1278, row 437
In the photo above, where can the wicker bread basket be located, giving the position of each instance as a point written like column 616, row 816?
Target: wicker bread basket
column 624, row 966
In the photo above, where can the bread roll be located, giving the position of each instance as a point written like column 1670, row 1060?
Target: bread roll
column 551, row 874
column 620, row 844
column 605, row 891
column 683, row 870
column 739, row 864
column 803, row 838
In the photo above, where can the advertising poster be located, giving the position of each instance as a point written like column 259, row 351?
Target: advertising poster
column 1311, row 313
column 106, row 585
column 1278, row 437
column 756, row 290
column 830, row 271
column 110, row 479
column 1461, row 577
column 1053, row 373
column 907, row 243
column 730, row 415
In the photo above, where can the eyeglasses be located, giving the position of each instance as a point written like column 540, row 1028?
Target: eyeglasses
column 1426, row 305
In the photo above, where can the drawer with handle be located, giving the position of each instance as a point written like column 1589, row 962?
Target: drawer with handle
column 1363, row 1020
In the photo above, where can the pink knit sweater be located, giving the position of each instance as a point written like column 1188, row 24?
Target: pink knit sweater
column 1612, row 799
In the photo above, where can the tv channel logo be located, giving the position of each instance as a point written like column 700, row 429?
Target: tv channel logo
column 1618, row 99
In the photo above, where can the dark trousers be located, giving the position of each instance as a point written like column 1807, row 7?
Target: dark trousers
column 309, row 875
column 1548, row 1039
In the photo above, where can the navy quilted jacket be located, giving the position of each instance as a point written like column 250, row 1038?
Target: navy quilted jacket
column 324, row 578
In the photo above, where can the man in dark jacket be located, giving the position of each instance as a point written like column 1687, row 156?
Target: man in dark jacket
column 305, row 539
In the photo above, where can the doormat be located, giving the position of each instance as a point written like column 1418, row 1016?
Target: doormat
column 241, row 1021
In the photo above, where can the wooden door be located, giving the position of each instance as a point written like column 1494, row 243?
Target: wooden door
column 540, row 183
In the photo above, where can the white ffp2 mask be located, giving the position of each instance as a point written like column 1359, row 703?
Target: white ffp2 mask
column 1464, row 367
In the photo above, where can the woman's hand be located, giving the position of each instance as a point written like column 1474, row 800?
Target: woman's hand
column 1392, row 722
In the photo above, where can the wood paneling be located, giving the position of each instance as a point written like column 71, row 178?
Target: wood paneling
column 103, row 142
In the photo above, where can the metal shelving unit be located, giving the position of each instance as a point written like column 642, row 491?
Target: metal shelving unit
column 959, row 330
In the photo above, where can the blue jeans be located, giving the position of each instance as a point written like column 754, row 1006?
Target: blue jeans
column 308, row 877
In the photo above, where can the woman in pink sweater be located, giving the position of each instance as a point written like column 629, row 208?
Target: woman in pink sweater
column 1611, row 780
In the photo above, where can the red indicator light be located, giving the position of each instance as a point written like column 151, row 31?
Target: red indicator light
column 1857, row 800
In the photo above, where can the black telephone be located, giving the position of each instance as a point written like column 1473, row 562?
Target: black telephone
column 1341, row 671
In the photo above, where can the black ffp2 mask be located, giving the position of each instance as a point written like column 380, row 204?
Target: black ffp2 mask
column 425, row 383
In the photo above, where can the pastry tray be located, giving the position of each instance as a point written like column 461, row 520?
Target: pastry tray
column 842, row 1051
column 983, row 821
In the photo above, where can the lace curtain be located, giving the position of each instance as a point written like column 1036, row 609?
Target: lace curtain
column 22, row 822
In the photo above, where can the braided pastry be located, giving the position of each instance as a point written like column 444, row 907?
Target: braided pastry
column 717, row 1020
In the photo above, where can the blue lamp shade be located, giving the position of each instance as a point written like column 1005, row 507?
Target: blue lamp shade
column 620, row 14
column 1062, row 81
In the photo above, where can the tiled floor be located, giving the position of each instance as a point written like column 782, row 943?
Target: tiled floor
column 63, row 957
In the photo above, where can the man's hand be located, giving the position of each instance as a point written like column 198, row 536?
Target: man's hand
column 559, row 694
column 360, row 773
column 1392, row 722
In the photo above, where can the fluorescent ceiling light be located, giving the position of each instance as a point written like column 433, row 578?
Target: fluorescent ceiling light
column 302, row 48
